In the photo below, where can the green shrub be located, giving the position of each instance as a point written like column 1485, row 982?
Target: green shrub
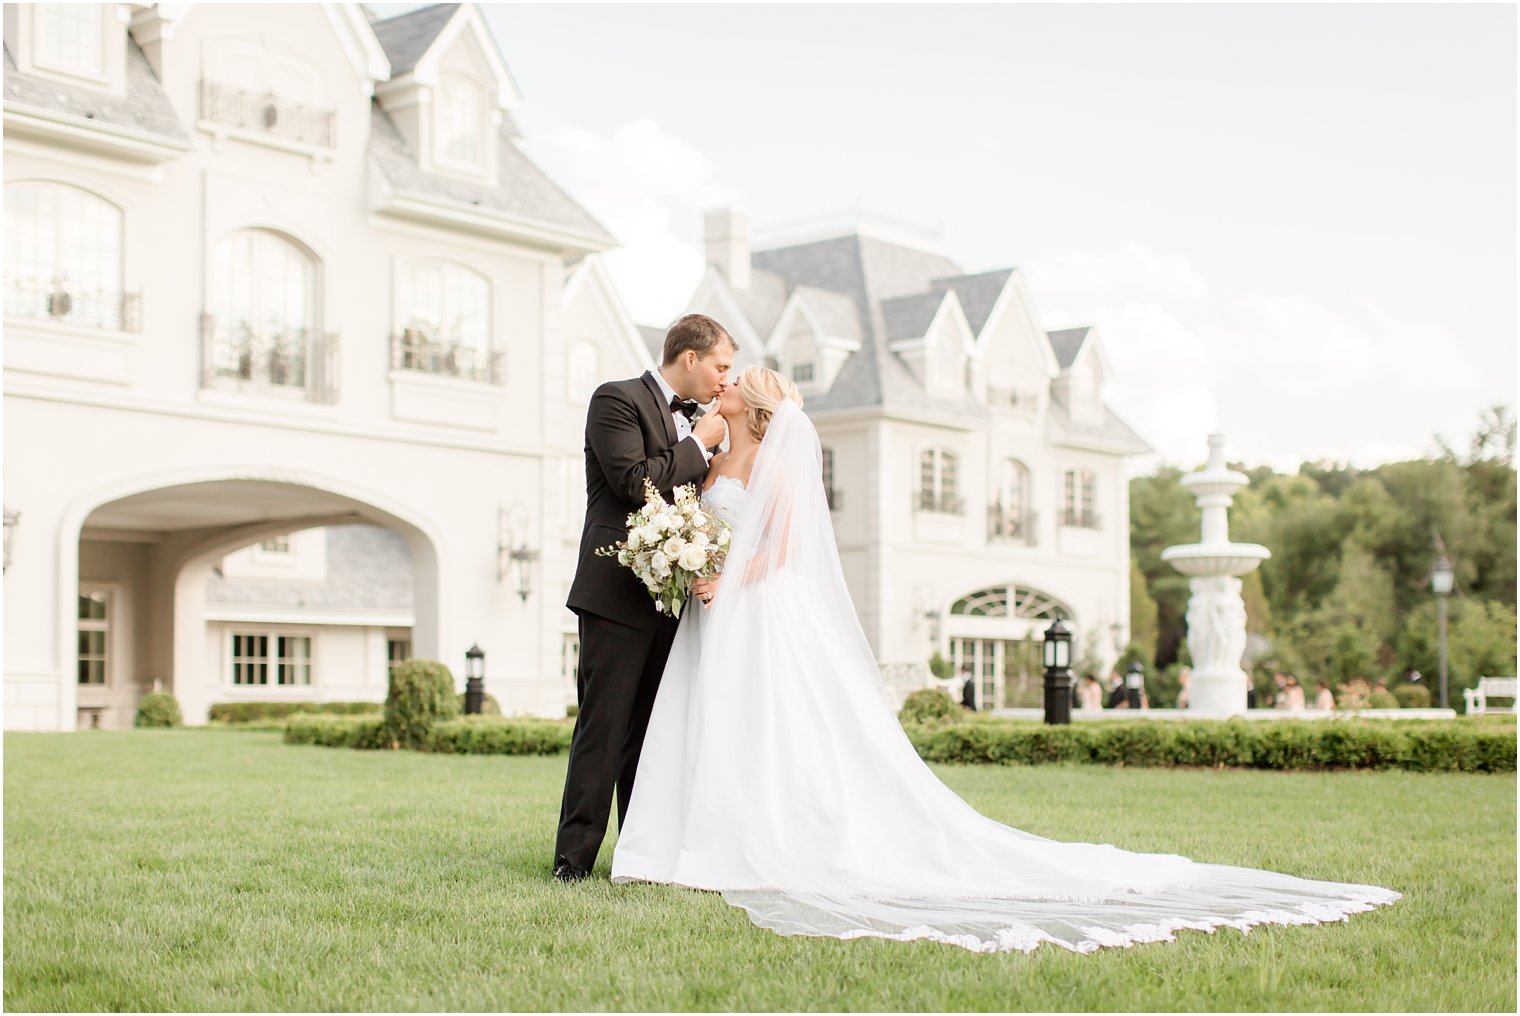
column 1268, row 744
column 929, row 705
column 496, row 735
column 421, row 694
column 572, row 711
column 1412, row 696
column 337, row 731
column 488, row 707
column 939, row 666
column 158, row 709
column 1383, row 700
column 259, row 712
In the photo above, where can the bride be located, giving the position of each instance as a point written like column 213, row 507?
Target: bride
column 776, row 773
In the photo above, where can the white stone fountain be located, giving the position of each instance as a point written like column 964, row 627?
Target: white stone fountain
column 1216, row 615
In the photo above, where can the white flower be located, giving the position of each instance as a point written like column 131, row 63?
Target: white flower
column 634, row 540
column 693, row 557
column 700, row 539
column 659, row 605
column 723, row 538
column 649, row 535
column 699, row 518
column 660, row 563
column 625, row 557
column 673, row 547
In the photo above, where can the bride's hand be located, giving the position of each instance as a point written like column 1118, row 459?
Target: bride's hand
column 706, row 589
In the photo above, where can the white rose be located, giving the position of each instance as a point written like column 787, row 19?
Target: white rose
column 649, row 535
column 693, row 557
column 700, row 540
column 660, row 563
column 698, row 518
column 673, row 547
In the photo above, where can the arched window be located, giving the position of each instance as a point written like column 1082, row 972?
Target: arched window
column 261, row 323
column 1009, row 514
column 63, row 256
column 446, row 322
column 460, row 124
column 1080, row 499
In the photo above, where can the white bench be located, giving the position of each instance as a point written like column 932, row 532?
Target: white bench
column 1498, row 687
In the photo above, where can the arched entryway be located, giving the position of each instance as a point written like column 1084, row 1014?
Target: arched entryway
column 997, row 632
column 143, row 555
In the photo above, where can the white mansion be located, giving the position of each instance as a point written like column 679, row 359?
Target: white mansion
column 297, row 351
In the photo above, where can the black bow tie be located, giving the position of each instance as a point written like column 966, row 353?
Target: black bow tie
column 680, row 405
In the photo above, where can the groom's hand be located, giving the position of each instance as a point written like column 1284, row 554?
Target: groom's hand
column 710, row 429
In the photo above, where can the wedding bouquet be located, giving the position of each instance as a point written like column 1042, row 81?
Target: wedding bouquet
column 671, row 545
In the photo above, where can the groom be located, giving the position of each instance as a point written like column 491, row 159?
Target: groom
column 644, row 428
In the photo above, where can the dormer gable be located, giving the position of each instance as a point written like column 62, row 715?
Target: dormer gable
column 929, row 332
column 715, row 298
column 816, row 333
column 449, row 88
column 1084, row 366
column 1014, row 363
column 75, row 44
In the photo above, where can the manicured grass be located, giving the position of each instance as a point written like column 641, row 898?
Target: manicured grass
column 222, row 870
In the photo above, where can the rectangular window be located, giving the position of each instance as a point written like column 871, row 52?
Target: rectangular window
column 250, row 660
column 294, row 660
column 256, row 656
column 828, row 480
column 397, row 650
column 94, row 636
column 277, row 545
column 69, row 36
column 802, row 372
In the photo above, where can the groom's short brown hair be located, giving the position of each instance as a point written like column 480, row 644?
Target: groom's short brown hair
column 696, row 332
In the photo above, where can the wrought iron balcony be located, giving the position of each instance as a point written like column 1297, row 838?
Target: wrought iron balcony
column 61, row 301
column 271, row 358
column 1079, row 518
column 268, row 113
column 1010, row 525
column 946, row 503
column 416, row 350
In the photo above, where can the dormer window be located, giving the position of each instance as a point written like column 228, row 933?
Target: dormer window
column 69, row 38
column 460, row 123
column 802, row 373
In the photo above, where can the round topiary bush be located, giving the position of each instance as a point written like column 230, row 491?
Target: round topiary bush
column 929, row 705
column 421, row 693
column 158, row 709
column 1382, row 700
column 488, row 707
column 1412, row 696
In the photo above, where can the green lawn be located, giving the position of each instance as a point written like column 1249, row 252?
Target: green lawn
column 222, row 870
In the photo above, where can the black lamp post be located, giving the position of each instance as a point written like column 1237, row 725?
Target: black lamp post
column 474, row 680
column 1058, row 673
column 1440, row 581
column 1134, row 684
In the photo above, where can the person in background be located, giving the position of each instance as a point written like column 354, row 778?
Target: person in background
column 1280, row 692
column 1184, row 681
column 1293, row 694
column 1324, row 699
column 1090, row 694
column 1250, row 692
column 968, row 689
column 1118, row 698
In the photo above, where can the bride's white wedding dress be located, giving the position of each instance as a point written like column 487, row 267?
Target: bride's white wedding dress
column 775, row 772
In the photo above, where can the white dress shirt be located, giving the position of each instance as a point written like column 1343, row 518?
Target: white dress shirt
column 683, row 425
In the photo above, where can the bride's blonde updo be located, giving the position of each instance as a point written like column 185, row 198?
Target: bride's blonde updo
column 763, row 390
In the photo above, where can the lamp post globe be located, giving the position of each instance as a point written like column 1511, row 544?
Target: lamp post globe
column 1058, row 673
column 474, row 679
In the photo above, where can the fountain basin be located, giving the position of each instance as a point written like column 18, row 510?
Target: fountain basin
column 1205, row 560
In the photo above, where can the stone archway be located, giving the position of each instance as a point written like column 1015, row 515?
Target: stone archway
column 152, row 544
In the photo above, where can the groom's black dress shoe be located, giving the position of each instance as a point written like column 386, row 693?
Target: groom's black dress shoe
column 568, row 873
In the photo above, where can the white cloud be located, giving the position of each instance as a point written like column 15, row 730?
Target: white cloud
column 649, row 188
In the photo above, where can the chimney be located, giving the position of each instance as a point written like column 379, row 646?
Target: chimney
column 727, row 234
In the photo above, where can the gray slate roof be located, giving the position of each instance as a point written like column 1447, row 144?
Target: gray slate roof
column 837, row 313
column 763, row 301
column 144, row 107
column 368, row 568
column 1067, row 343
column 521, row 189
column 977, row 294
column 406, row 37
column 909, row 317
column 1111, row 432
column 654, row 338
column 868, row 271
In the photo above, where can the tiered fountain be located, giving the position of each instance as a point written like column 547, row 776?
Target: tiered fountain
column 1216, row 615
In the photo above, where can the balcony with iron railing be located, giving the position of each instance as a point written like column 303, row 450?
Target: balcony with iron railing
column 1010, row 525
column 274, row 359
column 61, row 301
column 943, row 502
column 1080, row 518
column 417, row 350
column 268, row 113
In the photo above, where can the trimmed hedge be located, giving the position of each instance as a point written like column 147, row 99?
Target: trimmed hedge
column 929, row 705
column 421, row 694
column 1412, row 696
column 158, row 709
column 337, row 731
column 493, row 735
column 1276, row 744
column 488, row 706
column 257, row 712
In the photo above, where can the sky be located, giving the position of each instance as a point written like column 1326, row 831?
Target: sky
column 1293, row 224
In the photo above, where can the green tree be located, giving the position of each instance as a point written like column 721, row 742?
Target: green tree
column 1142, row 614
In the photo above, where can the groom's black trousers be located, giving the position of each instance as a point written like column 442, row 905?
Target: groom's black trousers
column 615, row 685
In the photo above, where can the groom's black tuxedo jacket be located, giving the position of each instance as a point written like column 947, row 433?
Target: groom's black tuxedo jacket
column 630, row 437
